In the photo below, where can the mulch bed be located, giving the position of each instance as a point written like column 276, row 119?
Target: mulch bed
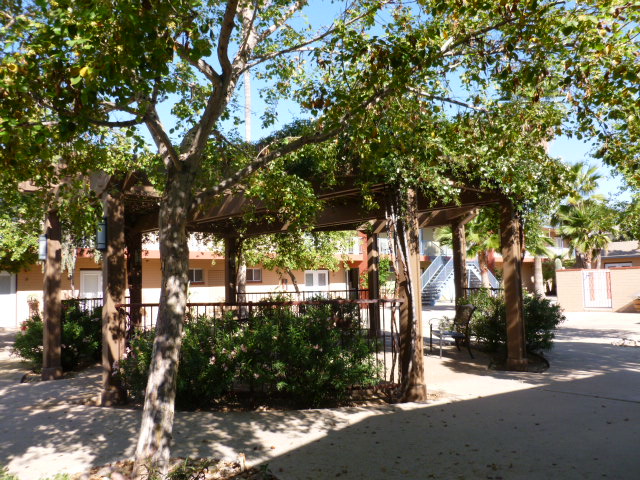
column 185, row 469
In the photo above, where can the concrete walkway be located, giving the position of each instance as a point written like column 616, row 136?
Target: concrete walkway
column 579, row 420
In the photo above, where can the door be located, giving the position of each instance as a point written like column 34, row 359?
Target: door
column 8, row 300
column 596, row 285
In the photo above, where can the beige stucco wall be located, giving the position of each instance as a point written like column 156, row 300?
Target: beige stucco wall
column 29, row 282
column 570, row 294
column 625, row 285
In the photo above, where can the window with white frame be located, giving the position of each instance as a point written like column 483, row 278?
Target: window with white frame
column 316, row 279
column 90, row 283
column 196, row 275
column 254, row 274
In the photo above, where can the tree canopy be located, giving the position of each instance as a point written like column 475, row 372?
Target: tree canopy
column 430, row 94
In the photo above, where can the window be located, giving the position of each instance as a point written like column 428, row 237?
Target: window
column 7, row 283
column 196, row 275
column 617, row 265
column 90, row 283
column 254, row 275
column 316, row 279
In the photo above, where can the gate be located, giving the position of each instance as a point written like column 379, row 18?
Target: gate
column 596, row 285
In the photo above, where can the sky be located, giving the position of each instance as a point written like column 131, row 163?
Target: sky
column 572, row 151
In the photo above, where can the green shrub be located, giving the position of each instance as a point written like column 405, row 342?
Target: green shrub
column 314, row 357
column 81, row 339
column 489, row 322
column 306, row 356
column 207, row 362
column 28, row 343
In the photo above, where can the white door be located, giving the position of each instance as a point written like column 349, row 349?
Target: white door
column 596, row 285
column 90, row 283
column 8, row 300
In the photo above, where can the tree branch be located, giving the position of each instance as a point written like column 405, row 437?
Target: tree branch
column 448, row 100
column 250, row 38
column 160, row 137
column 265, row 157
column 278, row 24
column 203, row 67
column 225, row 36
column 116, row 124
column 331, row 29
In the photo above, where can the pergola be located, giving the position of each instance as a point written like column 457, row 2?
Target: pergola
column 131, row 208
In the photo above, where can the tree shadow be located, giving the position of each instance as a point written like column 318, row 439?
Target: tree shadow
column 576, row 420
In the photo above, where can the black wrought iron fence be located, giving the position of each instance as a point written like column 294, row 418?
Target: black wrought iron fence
column 304, row 295
column 378, row 321
column 494, row 292
column 84, row 304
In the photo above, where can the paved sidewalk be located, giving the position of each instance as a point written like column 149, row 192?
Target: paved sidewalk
column 579, row 420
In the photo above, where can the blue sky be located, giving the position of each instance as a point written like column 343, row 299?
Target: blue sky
column 572, row 151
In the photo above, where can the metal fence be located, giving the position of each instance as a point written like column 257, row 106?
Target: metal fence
column 378, row 320
column 304, row 295
column 84, row 304
column 494, row 292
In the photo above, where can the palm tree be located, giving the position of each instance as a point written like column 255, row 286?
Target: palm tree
column 588, row 228
column 585, row 219
column 537, row 242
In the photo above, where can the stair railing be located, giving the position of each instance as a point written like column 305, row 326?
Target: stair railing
column 475, row 268
column 431, row 270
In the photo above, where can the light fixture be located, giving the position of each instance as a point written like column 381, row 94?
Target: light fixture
column 42, row 248
column 101, row 235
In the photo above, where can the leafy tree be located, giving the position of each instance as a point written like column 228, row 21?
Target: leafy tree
column 73, row 68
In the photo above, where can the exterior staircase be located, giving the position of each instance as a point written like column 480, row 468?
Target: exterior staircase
column 439, row 275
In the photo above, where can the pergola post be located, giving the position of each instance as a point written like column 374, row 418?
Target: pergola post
column 373, row 281
column 408, row 277
column 231, row 245
column 459, row 258
column 52, row 307
column 133, row 240
column 113, row 288
column 512, row 280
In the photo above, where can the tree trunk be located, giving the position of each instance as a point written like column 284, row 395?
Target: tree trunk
column 293, row 281
column 483, row 262
column 407, row 248
column 588, row 260
column 538, row 279
column 152, row 452
column 598, row 258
